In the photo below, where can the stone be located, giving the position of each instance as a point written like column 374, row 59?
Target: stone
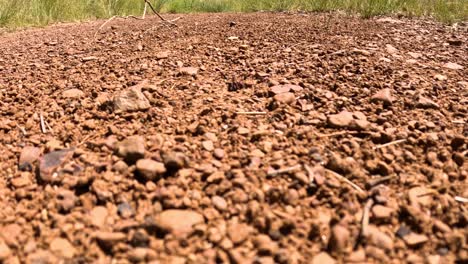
column 339, row 240
column 323, row 258
column 66, row 200
column 440, row 77
column 413, row 239
column 341, row 120
column 284, row 88
column 131, row 100
column 426, row 103
column 379, row 238
column 390, row 49
column 5, row 251
column 24, row 180
column 62, row 248
column 41, row 256
column 125, row 210
column 162, row 55
column 453, row 66
column 285, row 98
column 384, row 95
column 192, row 71
column 419, row 196
column 381, row 212
column 174, row 161
column 51, row 161
column 178, row 222
column 238, row 233
column 264, row 245
column 110, row 238
column 10, row 234
column 73, row 93
column 219, row 203
column 28, row 156
column 208, row 145
column 98, row 216
column 131, row 149
column 415, row 55
column 218, row 153
column 150, row 169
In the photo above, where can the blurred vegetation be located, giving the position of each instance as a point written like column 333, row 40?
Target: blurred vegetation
column 19, row 13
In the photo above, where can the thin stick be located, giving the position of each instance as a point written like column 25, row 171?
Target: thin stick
column 340, row 133
column 47, row 125
column 43, row 127
column 460, row 122
column 379, row 180
column 112, row 18
column 22, row 130
column 144, row 10
column 365, row 217
column 390, row 143
column 285, row 170
column 156, row 13
column 251, row 113
column 346, row 180
column 461, row 199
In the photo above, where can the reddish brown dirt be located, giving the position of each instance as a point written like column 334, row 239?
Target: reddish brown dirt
column 183, row 178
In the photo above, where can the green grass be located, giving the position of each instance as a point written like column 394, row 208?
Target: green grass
column 20, row 13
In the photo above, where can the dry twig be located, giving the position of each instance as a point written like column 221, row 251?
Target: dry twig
column 461, row 199
column 346, row 180
column 285, row 170
column 390, row 143
column 334, row 134
column 23, row 131
column 43, row 127
column 365, row 217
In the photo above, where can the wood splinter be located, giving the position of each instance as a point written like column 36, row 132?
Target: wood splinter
column 285, row 170
column 43, row 126
column 346, row 180
column 390, row 144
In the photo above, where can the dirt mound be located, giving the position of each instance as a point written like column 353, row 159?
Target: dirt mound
column 265, row 138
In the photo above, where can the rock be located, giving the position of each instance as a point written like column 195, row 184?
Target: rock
column 131, row 100
column 264, row 245
column 73, row 93
column 453, row 66
column 131, row 149
column 10, row 234
column 125, row 210
column 63, row 248
column 381, row 212
column 285, row 98
column 66, row 200
column 413, row 239
column 390, row 49
column 379, row 238
column 98, row 216
column 284, row 88
column 420, row 196
column 41, row 256
column 110, row 238
column 455, row 42
column 174, row 161
column 341, row 120
column 384, row 95
column 426, row 103
column 5, row 251
column 415, row 55
column 219, row 203
column 188, row 71
column 150, row 169
column 238, row 233
column 208, row 145
column 162, row 55
column 50, row 162
column 178, row 222
column 24, row 180
column 28, row 156
column 323, row 258
column 339, row 240
column 440, row 77
column 358, row 256
column 218, row 153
